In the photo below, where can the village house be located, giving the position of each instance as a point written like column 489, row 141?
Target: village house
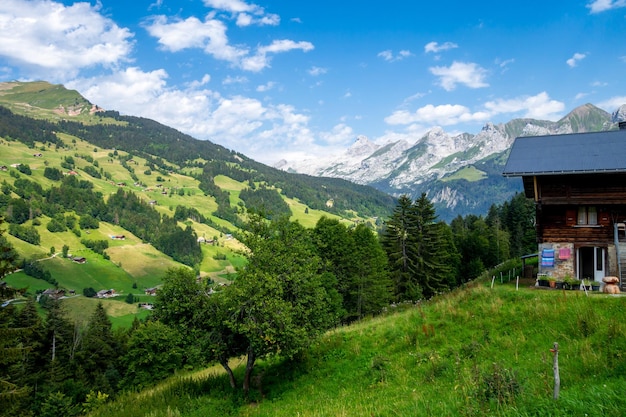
column 578, row 184
column 106, row 293
column 54, row 293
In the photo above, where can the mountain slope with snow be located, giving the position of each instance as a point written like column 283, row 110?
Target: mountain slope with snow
column 461, row 174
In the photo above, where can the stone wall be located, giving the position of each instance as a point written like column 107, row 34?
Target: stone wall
column 562, row 265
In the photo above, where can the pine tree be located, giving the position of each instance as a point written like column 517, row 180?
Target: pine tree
column 371, row 289
column 431, row 250
column 398, row 241
column 98, row 350
column 421, row 253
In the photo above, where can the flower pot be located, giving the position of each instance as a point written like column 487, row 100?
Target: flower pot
column 552, row 284
column 543, row 282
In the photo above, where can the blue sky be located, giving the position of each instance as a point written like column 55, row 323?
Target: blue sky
column 293, row 79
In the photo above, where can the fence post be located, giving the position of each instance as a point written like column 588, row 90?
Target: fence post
column 492, row 281
column 555, row 368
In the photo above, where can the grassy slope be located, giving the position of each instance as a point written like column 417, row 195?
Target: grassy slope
column 132, row 261
column 437, row 359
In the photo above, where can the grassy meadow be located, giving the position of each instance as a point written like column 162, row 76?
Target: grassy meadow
column 133, row 265
column 475, row 351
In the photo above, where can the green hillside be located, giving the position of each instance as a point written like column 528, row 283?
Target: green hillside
column 49, row 134
column 476, row 351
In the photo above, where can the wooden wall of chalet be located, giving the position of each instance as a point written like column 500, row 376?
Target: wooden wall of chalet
column 578, row 189
column 558, row 199
column 558, row 224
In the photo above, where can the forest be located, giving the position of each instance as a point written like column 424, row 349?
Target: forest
column 297, row 284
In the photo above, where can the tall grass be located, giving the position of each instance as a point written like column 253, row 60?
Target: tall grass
column 472, row 352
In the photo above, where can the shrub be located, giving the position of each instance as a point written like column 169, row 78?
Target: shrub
column 55, row 226
column 25, row 233
column 53, row 174
column 89, row 292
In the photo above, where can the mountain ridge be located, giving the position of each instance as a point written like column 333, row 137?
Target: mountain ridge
column 438, row 163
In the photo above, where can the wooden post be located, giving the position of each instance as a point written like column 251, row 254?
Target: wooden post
column 555, row 367
column 492, row 280
column 517, row 283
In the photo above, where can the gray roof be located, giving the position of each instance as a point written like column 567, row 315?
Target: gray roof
column 578, row 153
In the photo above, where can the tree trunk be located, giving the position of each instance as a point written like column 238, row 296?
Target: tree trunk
column 231, row 376
column 249, row 367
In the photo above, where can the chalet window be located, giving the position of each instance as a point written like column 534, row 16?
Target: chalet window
column 587, row 215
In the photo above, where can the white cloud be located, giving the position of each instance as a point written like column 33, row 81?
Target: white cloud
column 388, row 55
column 577, row 57
column 206, row 78
column 266, row 87
column 52, row 40
column 241, row 123
column 234, row 80
column 261, row 59
column 339, row 135
column 469, row 74
column 443, row 115
column 211, row 36
column 598, row 6
column 436, row 47
column 613, row 103
column 316, row 71
column 233, row 6
column 246, row 13
column 539, row 106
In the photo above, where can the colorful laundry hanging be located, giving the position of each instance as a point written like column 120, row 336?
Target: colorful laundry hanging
column 547, row 258
column 564, row 253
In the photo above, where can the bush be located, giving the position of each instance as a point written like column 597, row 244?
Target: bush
column 91, row 170
column 35, row 270
column 130, row 298
column 55, row 226
column 24, row 169
column 88, row 222
column 89, row 292
column 25, row 233
column 98, row 246
column 53, row 174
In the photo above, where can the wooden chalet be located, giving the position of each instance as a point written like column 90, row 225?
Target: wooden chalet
column 578, row 184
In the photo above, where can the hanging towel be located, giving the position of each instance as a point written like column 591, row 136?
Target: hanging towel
column 564, row 253
column 547, row 257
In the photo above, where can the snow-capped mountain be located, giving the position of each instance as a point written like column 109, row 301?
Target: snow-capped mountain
column 461, row 174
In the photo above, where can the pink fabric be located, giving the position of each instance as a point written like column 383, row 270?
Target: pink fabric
column 564, row 253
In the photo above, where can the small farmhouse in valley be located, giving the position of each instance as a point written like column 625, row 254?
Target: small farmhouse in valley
column 578, row 184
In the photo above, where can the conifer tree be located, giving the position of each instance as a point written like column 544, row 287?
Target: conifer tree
column 421, row 253
column 98, row 350
column 430, row 248
column 398, row 241
column 371, row 289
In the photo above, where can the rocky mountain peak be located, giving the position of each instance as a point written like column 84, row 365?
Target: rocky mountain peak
column 362, row 147
column 619, row 115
